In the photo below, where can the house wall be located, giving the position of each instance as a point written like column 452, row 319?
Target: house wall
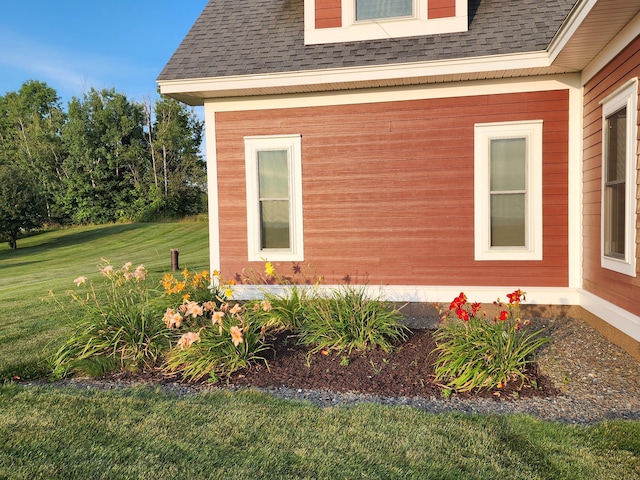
column 328, row 13
column 621, row 290
column 388, row 189
column 442, row 8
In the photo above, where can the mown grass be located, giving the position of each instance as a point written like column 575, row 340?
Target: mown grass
column 31, row 324
column 143, row 433
column 49, row 432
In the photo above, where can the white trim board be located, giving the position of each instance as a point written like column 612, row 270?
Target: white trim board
column 617, row 317
column 625, row 321
column 397, row 94
column 431, row 293
column 349, row 75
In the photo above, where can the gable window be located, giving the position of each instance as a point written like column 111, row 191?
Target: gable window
column 619, row 113
column 274, row 197
column 376, row 9
column 362, row 20
column 508, row 191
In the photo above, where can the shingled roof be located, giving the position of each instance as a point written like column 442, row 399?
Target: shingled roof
column 235, row 37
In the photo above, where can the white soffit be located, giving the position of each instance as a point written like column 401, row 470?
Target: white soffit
column 590, row 27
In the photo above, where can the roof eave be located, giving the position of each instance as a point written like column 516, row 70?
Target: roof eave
column 195, row 91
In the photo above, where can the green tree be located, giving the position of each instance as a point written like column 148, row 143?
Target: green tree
column 176, row 138
column 31, row 122
column 107, row 156
column 22, row 205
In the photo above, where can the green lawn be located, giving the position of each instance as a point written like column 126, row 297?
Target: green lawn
column 29, row 322
column 67, row 433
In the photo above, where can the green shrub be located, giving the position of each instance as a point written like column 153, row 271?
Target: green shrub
column 348, row 319
column 476, row 353
column 120, row 327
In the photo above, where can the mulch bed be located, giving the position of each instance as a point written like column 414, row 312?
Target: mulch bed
column 407, row 371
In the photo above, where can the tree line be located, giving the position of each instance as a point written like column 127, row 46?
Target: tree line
column 103, row 159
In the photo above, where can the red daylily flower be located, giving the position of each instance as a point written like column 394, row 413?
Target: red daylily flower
column 516, row 297
column 462, row 314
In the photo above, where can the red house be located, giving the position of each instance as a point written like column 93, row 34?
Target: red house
column 426, row 146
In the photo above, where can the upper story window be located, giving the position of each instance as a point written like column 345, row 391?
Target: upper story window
column 333, row 21
column 376, row 9
column 619, row 131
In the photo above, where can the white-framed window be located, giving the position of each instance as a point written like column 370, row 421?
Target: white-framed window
column 274, row 197
column 508, row 191
column 618, row 229
column 380, row 19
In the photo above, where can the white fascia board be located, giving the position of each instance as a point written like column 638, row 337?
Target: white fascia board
column 357, row 74
column 569, row 27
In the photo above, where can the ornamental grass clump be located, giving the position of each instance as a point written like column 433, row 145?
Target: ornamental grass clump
column 349, row 319
column 480, row 353
column 119, row 328
column 288, row 307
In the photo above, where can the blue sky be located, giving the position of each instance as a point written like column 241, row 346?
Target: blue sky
column 75, row 45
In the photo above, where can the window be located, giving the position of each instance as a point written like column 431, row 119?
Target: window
column 376, row 9
column 508, row 191
column 619, row 112
column 274, row 197
column 362, row 20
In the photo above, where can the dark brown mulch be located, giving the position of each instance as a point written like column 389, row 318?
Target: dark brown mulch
column 407, row 371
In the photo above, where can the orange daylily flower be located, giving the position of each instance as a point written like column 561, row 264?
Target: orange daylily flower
column 188, row 339
column 236, row 335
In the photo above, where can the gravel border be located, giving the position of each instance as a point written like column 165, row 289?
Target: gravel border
column 597, row 379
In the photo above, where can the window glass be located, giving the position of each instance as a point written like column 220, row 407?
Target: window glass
column 508, row 220
column 615, row 185
column 273, row 186
column 372, row 9
column 508, row 161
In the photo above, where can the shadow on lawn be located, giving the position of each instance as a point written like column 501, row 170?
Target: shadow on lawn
column 98, row 233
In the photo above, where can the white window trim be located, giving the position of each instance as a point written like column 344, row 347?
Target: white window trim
column 483, row 133
column 293, row 145
column 626, row 95
column 353, row 31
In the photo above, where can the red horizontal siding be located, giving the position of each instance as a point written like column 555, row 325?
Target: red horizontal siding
column 622, row 290
column 388, row 188
column 328, row 13
column 442, row 8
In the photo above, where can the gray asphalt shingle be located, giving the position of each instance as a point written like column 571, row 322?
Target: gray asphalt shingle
column 236, row 37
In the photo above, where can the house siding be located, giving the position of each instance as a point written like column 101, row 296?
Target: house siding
column 442, row 8
column 388, row 189
column 328, row 13
column 619, row 289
